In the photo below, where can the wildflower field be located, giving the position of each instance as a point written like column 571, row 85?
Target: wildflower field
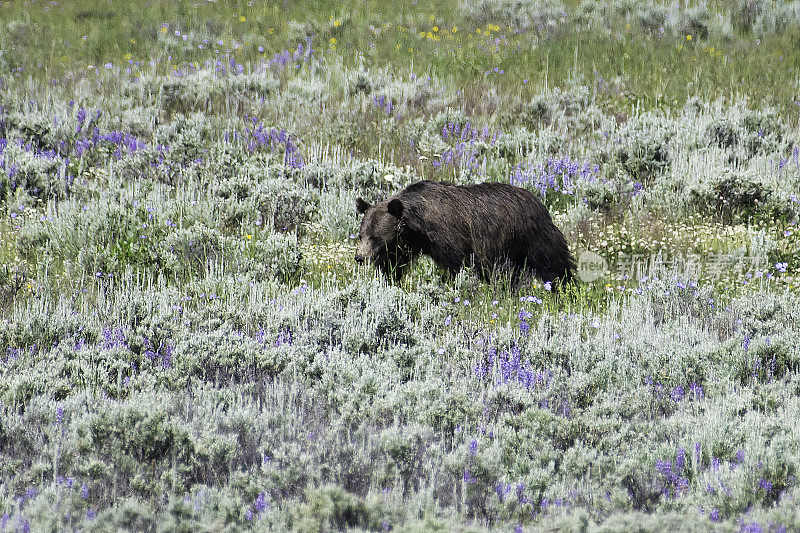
column 187, row 343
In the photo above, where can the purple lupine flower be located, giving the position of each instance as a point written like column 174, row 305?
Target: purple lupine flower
column 740, row 456
column 674, row 483
column 677, row 394
column 520, row 489
column 502, row 490
column 81, row 119
column 261, row 502
column 680, row 460
column 473, row 446
column 523, row 320
column 166, row 355
column 29, row 494
column 284, row 337
column 696, row 391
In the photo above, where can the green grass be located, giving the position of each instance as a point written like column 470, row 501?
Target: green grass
column 658, row 71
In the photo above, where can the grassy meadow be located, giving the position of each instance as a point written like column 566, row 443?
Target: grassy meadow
column 186, row 340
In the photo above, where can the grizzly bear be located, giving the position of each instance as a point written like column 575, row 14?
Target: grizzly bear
column 491, row 226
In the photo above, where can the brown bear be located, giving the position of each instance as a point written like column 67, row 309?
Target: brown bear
column 489, row 226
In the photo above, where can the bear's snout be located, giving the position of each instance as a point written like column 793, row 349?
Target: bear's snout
column 363, row 252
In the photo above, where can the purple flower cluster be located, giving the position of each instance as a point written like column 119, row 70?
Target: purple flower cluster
column 258, row 137
column 466, row 148
column 163, row 352
column 113, row 338
column 466, row 133
column 469, row 478
column 750, row 527
column 87, row 140
column 673, row 479
column 81, row 117
column 117, row 142
column 557, row 175
column 677, row 393
column 259, row 506
column 232, row 68
column 502, row 490
column 298, row 56
column 12, row 354
column 284, row 337
column 523, row 316
column 510, row 368
column 473, row 447
column 384, row 104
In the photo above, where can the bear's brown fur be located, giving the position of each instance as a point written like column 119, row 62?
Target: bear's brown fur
column 489, row 226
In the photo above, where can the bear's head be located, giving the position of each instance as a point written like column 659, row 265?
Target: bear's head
column 379, row 239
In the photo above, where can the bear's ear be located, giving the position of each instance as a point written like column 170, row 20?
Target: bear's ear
column 361, row 205
column 395, row 208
